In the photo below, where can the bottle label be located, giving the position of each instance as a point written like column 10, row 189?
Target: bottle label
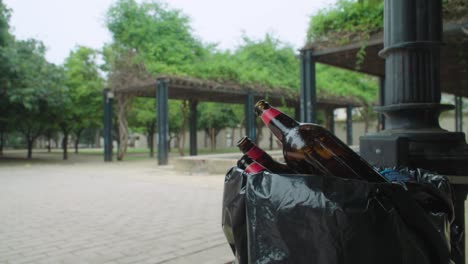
column 254, row 168
column 269, row 114
column 254, row 153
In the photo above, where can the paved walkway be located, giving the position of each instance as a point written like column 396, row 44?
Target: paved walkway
column 131, row 212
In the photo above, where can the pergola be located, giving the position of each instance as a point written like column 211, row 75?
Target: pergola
column 453, row 60
column 194, row 90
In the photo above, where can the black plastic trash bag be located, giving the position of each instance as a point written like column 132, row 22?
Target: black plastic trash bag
column 233, row 215
column 325, row 220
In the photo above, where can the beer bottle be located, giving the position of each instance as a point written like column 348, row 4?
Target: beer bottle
column 310, row 147
column 249, row 165
column 261, row 157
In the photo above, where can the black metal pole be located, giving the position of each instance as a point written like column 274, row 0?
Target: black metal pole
column 412, row 135
column 250, row 128
column 331, row 119
column 297, row 112
column 193, row 127
column 349, row 125
column 162, row 121
column 308, row 100
column 458, row 114
column 381, row 116
column 107, row 121
column 460, row 124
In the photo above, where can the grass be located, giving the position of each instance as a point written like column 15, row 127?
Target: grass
column 42, row 156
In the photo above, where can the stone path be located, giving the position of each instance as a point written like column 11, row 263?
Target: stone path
column 133, row 212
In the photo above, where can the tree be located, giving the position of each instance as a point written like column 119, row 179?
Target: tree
column 34, row 91
column 161, row 37
column 178, row 120
column 143, row 119
column 6, row 74
column 149, row 39
column 84, row 88
column 214, row 117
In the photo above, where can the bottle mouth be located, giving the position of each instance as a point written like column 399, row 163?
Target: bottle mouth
column 260, row 106
column 242, row 141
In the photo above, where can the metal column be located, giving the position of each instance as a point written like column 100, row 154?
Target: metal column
column 349, row 125
column 413, row 136
column 297, row 112
column 381, row 116
column 193, row 127
column 107, row 120
column 250, row 130
column 308, row 98
column 330, row 122
column 458, row 113
column 162, row 121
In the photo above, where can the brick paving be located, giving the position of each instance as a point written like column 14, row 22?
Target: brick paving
column 131, row 212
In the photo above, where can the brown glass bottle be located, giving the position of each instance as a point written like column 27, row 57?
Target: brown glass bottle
column 249, row 165
column 260, row 156
column 310, row 147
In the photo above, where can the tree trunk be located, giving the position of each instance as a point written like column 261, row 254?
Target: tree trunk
column 123, row 105
column 213, row 139
column 169, row 142
column 77, row 140
column 76, row 146
column 2, row 138
column 97, row 139
column 65, row 145
column 259, row 130
column 30, row 146
column 151, row 143
column 233, row 130
column 177, row 143
column 49, row 141
column 366, row 117
column 184, row 110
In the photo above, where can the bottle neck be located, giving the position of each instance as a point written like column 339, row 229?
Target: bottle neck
column 254, row 168
column 279, row 123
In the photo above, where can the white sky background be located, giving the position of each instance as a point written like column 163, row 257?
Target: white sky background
column 64, row 24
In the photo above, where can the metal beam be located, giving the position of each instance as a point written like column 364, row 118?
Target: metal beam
column 308, row 89
column 193, row 127
column 349, row 125
column 250, row 130
column 107, row 124
column 162, row 121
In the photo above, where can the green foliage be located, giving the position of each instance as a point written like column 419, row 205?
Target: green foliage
column 346, row 20
column 142, row 116
column 35, row 90
column 267, row 62
column 5, row 36
column 216, row 116
column 161, row 37
column 335, row 81
column 454, row 9
column 85, row 87
column 213, row 117
column 178, row 114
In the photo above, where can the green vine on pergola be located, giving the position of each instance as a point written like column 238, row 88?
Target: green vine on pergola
column 350, row 20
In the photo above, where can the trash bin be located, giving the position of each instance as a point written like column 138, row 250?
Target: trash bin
column 271, row 218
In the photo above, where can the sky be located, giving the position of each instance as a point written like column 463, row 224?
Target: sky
column 64, row 24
